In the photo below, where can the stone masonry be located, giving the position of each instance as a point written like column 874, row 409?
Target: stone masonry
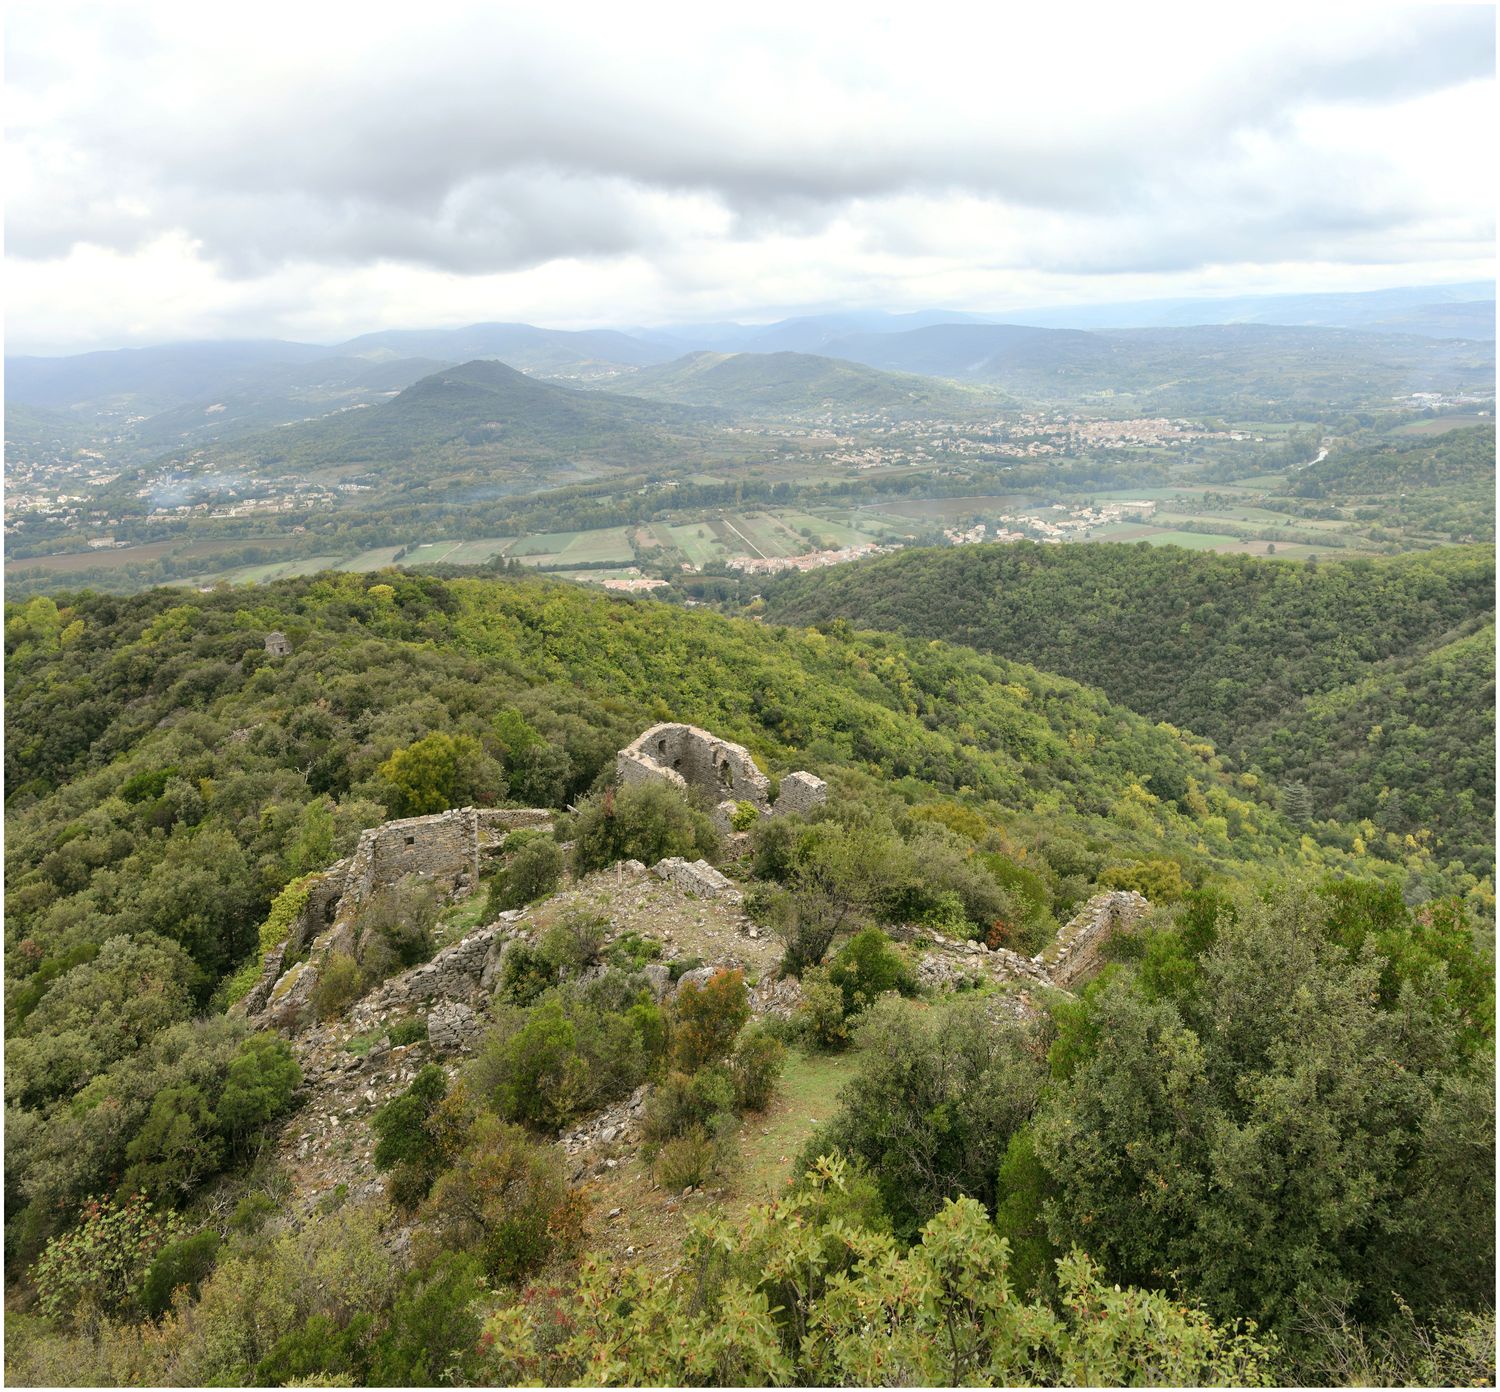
column 1075, row 954
column 724, row 773
column 447, row 849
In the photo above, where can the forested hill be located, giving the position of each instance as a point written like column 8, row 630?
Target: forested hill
column 1457, row 459
column 165, row 776
column 1243, row 651
column 483, row 415
column 799, row 384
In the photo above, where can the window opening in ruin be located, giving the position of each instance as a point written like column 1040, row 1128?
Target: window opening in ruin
column 725, row 777
column 661, row 746
column 411, row 840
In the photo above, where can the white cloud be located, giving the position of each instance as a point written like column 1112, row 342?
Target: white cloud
column 317, row 171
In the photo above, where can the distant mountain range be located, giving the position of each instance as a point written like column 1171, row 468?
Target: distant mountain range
column 1219, row 368
column 1443, row 311
column 1293, row 351
column 1436, row 311
column 801, row 384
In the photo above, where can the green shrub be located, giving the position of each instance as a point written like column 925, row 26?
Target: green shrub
column 867, row 966
column 251, row 1212
column 524, row 974
column 822, row 1013
column 755, row 1067
column 405, row 1139
column 687, row 1101
column 745, row 816
column 178, row 1147
column 631, row 951
column 186, row 1263
column 338, row 986
column 935, row 1099
column 100, row 1266
column 318, row 1354
column 643, row 821
column 532, row 871
column 1159, row 880
column 437, row 772
column 575, row 942
column 503, row 1200
column 684, row 1161
column 261, row 1080
column 559, row 1060
column 432, row 1339
column 706, row 1019
column 412, row 1030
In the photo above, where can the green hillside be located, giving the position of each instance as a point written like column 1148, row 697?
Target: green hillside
column 1233, row 648
column 1443, row 484
column 150, row 731
column 482, row 417
column 170, row 784
column 1410, row 749
column 798, row 384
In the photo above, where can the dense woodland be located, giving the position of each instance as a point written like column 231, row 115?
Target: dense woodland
column 1365, row 689
column 1076, row 1196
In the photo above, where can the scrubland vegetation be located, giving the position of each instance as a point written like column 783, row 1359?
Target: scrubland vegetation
column 1257, row 1148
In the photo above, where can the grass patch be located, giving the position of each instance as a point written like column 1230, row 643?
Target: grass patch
column 460, row 919
column 767, row 1143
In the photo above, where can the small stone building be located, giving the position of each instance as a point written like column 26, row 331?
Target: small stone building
column 718, row 770
column 277, row 645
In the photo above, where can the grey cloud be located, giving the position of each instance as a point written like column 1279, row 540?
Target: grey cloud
column 466, row 152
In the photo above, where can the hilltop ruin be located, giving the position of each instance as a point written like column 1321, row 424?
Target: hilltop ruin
column 699, row 763
column 448, row 849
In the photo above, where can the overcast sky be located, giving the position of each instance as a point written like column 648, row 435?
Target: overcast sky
column 316, row 170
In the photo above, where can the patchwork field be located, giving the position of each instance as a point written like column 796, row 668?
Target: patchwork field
column 1235, row 515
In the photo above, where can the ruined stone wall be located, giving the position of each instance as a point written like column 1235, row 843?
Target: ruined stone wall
column 721, row 772
column 700, row 761
column 445, row 849
column 1076, row 954
column 800, row 792
column 323, row 895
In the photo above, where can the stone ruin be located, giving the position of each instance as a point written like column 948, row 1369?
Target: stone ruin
column 277, row 645
column 697, row 762
column 447, row 849
column 1074, row 955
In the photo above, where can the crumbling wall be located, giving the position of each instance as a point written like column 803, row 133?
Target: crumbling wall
column 323, row 895
column 445, row 848
column 696, row 877
column 718, row 770
column 1076, row 953
column 800, row 792
column 694, row 759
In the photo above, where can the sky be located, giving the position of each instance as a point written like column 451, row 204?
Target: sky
column 317, row 170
